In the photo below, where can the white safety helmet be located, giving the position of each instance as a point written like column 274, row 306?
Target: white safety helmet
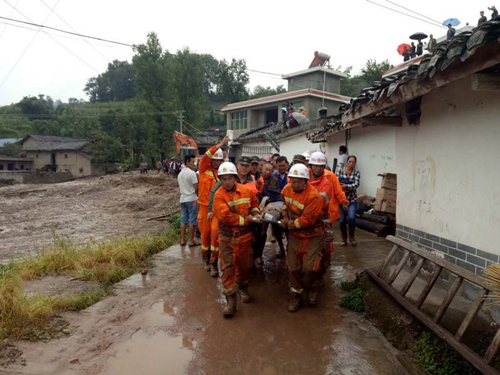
column 299, row 171
column 218, row 155
column 306, row 155
column 317, row 158
column 227, row 168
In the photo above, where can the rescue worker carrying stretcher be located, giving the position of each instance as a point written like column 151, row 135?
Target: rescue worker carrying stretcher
column 235, row 206
column 207, row 170
column 303, row 213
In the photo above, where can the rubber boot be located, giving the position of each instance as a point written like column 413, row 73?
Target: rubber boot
column 245, row 297
column 214, row 271
column 230, row 308
column 352, row 228
column 294, row 304
column 343, row 231
column 313, row 296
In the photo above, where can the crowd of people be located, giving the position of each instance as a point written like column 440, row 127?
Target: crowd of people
column 234, row 205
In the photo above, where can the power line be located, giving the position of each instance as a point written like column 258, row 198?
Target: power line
column 27, row 47
column 258, row 71
column 64, row 31
column 404, row 14
column 11, row 13
column 84, row 39
column 412, row 11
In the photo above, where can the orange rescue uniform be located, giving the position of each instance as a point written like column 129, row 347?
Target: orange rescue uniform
column 231, row 208
column 305, row 211
column 207, row 180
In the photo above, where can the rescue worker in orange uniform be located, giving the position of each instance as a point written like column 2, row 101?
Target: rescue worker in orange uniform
column 303, row 213
column 235, row 206
column 207, row 170
column 328, row 185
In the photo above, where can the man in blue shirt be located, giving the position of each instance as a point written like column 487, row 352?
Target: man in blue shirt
column 281, row 173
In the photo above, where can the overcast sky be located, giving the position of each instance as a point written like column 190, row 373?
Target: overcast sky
column 272, row 36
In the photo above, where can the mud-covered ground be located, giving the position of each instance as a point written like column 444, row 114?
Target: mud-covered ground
column 169, row 322
column 97, row 208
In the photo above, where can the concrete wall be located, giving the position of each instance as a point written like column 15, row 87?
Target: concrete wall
column 448, row 173
column 260, row 149
column 375, row 149
column 47, row 178
column 68, row 161
column 17, row 176
column 315, row 81
column 296, row 145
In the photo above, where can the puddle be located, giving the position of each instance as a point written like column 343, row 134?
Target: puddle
column 152, row 353
column 161, row 314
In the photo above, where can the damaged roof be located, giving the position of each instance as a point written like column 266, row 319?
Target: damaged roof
column 463, row 55
column 52, row 143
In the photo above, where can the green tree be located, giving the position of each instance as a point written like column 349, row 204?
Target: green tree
column 232, row 80
column 371, row 72
column 261, row 91
column 114, row 85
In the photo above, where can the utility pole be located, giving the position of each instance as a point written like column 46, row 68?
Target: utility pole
column 180, row 118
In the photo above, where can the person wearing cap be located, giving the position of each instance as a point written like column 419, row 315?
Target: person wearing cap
column 207, row 170
column 235, row 207
column 303, row 212
column 299, row 159
column 328, row 185
column 254, row 171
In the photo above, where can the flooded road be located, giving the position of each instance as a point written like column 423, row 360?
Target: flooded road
column 170, row 322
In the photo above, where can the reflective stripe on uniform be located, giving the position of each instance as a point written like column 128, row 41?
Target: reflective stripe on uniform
column 299, row 205
column 210, row 173
column 324, row 195
column 255, row 209
column 238, row 202
column 209, row 154
column 296, row 222
column 242, row 221
column 296, row 291
column 206, row 248
column 213, row 248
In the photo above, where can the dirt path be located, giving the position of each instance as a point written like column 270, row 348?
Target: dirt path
column 99, row 207
column 170, row 322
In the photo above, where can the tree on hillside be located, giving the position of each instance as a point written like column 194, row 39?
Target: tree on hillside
column 114, row 85
column 36, row 107
column 232, row 80
column 372, row 71
column 261, row 91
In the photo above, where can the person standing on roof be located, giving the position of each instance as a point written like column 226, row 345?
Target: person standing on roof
column 494, row 14
column 413, row 51
column 328, row 185
column 303, row 212
column 431, row 46
column 420, row 48
column 450, row 33
column 208, row 177
column 349, row 178
column 482, row 18
column 235, row 207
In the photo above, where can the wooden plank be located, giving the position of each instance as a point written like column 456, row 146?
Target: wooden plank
column 476, row 306
column 493, row 348
column 413, row 276
column 466, row 352
column 428, row 287
column 400, row 266
column 387, row 259
column 485, row 82
column 382, row 121
column 466, row 274
column 447, row 300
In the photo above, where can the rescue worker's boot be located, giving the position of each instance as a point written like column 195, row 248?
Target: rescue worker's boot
column 294, row 303
column 205, row 254
column 230, row 308
column 313, row 296
column 214, row 271
column 352, row 228
column 245, row 297
column 343, row 231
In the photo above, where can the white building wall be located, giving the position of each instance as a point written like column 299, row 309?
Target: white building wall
column 448, row 174
column 375, row 149
column 296, row 145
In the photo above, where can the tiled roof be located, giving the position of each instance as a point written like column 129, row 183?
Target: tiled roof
column 466, row 53
column 53, row 143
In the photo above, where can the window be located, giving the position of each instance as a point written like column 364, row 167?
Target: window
column 66, row 156
column 1, row 167
column 10, row 166
column 239, row 120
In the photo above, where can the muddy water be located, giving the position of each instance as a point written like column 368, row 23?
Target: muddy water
column 170, row 322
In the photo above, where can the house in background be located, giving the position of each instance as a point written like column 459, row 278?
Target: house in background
column 58, row 154
column 436, row 126
column 257, row 124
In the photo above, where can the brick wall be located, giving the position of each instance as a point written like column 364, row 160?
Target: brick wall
column 465, row 256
